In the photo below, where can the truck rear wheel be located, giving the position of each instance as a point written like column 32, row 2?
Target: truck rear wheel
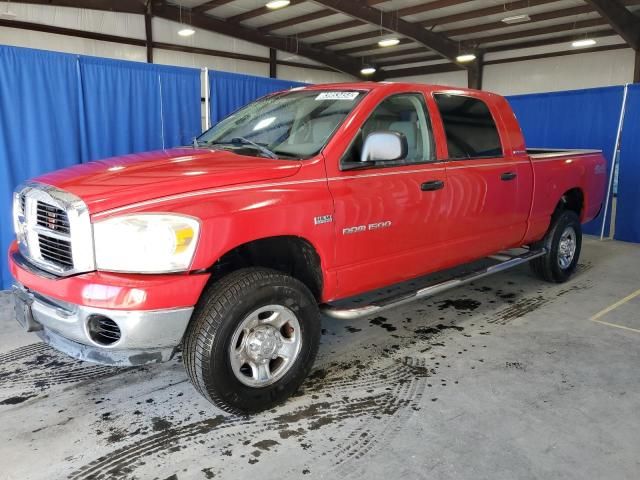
column 252, row 339
column 563, row 242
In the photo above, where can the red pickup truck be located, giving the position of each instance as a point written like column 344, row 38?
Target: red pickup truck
column 230, row 248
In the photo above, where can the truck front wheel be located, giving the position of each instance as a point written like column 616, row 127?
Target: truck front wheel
column 563, row 242
column 252, row 339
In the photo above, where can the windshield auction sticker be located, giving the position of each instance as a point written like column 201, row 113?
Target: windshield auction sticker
column 337, row 95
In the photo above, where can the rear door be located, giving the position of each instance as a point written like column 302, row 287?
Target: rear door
column 488, row 184
column 388, row 216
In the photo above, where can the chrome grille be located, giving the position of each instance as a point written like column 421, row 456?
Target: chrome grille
column 53, row 218
column 53, row 229
column 55, row 250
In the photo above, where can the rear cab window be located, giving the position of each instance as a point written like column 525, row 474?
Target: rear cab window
column 469, row 126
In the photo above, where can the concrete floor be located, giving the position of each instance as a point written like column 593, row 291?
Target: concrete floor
column 507, row 378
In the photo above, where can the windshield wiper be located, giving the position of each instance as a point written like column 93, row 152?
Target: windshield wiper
column 262, row 148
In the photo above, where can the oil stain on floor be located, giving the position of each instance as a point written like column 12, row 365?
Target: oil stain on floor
column 372, row 378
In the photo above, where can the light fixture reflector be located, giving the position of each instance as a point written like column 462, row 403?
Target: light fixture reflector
column 516, row 19
column 587, row 42
column 276, row 4
column 466, row 57
column 389, row 42
column 186, row 31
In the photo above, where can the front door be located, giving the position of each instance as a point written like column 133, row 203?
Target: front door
column 389, row 216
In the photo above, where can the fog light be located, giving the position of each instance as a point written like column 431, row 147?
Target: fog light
column 102, row 330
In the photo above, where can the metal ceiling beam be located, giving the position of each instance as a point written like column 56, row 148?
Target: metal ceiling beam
column 621, row 20
column 484, row 27
column 148, row 30
column 535, row 18
column 209, row 5
column 507, row 9
column 125, row 6
column 367, row 47
column 308, row 17
column 256, row 12
column 448, row 67
column 500, row 48
column 533, row 32
column 425, row 7
column 224, row 27
column 39, row 27
column 549, row 41
column 401, row 60
column 475, row 73
column 392, row 22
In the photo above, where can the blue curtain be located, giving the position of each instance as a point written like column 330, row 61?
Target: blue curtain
column 181, row 104
column 39, row 125
column 230, row 91
column 628, row 204
column 58, row 110
column 121, row 104
column 572, row 119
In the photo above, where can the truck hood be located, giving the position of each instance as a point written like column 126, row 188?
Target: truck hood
column 121, row 181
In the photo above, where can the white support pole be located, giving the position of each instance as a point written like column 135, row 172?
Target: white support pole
column 616, row 146
column 207, row 100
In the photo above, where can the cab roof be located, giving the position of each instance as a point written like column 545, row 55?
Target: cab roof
column 370, row 86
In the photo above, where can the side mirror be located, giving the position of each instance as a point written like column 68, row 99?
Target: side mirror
column 384, row 147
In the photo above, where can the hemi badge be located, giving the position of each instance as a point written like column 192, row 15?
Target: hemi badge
column 323, row 219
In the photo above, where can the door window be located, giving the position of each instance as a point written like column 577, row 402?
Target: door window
column 470, row 128
column 405, row 114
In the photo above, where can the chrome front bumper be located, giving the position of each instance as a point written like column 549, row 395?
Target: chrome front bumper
column 145, row 336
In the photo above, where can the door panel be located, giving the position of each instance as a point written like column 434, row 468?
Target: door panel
column 490, row 186
column 487, row 213
column 386, row 225
column 388, row 215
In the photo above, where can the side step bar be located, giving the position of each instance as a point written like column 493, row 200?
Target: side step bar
column 506, row 262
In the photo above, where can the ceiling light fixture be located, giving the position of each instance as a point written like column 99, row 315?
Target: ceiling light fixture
column 185, row 30
column 368, row 70
column 276, row 4
column 516, row 19
column 587, row 42
column 389, row 42
column 466, row 57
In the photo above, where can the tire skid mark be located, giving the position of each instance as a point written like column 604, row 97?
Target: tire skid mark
column 119, row 463
column 518, row 309
column 311, row 415
column 366, row 439
column 23, row 351
column 39, row 367
column 529, row 304
column 114, row 463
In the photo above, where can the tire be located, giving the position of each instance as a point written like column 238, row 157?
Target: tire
column 237, row 319
column 558, row 264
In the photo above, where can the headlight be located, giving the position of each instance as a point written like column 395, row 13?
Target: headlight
column 146, row 243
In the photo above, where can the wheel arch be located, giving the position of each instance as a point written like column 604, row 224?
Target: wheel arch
column 574, row 200
column 289, row 254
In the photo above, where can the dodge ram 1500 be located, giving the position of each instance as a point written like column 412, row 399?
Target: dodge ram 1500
column 231, row 248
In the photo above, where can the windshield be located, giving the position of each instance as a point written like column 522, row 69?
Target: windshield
column 295, row 124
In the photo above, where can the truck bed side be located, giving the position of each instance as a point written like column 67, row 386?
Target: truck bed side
column 573, row 174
